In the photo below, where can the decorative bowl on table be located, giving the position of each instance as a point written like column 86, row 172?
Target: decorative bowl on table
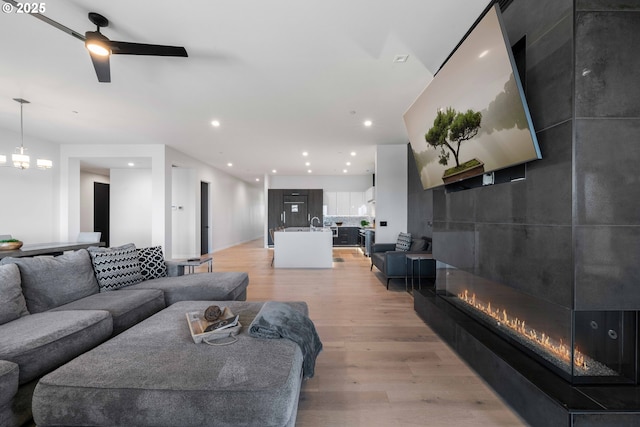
column 10, row 245
column 339, row 223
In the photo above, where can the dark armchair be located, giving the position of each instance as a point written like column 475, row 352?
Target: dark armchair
column 392, row 263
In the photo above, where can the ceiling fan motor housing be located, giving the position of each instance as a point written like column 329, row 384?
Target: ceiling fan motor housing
column 99, row 20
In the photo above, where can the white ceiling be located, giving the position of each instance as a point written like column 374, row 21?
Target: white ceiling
column 282, row 77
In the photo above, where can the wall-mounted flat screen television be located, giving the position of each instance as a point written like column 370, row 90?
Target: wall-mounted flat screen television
column 473, row 117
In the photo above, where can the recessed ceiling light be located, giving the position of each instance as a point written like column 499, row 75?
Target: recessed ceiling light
column 483, row 54
column 309, row 171
column 274, row 171
column 229, row 164
column 353, row 153
column 257, row 179
column 368, row 123
column 344, row 170
column 131, row 164
column 307, row 164
column 348, row 163
column 215, row 123
column 304, row 153
column 400, row 58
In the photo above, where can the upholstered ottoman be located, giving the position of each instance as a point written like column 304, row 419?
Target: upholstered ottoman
column 153, row 374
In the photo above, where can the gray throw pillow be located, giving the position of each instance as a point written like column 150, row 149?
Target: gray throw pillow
column 419, row 245
column 12, row 301
column 152, row 264
column 48, row 281
column 404, row 242
column 116, row 267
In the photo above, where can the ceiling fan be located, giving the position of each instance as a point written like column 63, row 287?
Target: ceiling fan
column 101, row 48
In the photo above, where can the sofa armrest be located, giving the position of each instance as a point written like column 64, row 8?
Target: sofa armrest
column 174, row 269
column 8, row 381
column 383, row 247
column 395, row 263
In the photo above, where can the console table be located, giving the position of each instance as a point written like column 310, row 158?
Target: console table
column 55, row 248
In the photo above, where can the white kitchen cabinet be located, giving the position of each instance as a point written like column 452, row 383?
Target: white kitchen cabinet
column 370, row 194
column 330, row 201
column 343, row 203
column 356, row 203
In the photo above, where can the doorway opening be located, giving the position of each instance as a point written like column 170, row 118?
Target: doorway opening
column 204, row 218
column 101, row 210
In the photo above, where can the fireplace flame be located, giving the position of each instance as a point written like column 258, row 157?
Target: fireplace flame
column 559, row 349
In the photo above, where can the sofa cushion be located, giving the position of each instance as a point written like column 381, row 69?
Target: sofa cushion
column 152, row 265
column 216, row 286
column 404, row 242
column 116, row 267
column 127, row 306
column 48, row 282
column 11, row 298
column 41, row 342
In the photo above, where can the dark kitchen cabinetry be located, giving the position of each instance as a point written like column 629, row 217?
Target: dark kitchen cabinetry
column 293, row 208
column 347, row 236
column 274, row 209
column 315, row 206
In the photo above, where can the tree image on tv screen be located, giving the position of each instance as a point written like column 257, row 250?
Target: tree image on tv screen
column 450, row 129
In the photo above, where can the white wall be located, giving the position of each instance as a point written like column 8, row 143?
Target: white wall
column 46, row 206
column 130, row 202
column 324, row 182
column 183, row 212
column 87, row 180
column 391, row 192
column 70, row 156
column 29, row 198
column 237, row 208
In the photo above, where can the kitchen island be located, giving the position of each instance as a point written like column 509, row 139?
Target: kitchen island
column 303, row 247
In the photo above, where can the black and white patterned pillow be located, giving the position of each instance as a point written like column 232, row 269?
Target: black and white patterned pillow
column 116, row 267
column 152, row 264
column 404, row 242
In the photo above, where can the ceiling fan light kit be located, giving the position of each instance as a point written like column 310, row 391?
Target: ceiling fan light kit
column 96, row 43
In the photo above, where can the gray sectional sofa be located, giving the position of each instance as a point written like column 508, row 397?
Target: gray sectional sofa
column 52, row 309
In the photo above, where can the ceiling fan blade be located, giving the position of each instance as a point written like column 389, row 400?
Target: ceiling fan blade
column 126, row 48
column 101, row 65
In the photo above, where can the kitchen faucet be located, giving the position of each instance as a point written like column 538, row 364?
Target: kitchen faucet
column 311, row 223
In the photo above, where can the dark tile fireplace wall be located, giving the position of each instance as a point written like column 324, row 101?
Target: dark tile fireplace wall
column 569, row 233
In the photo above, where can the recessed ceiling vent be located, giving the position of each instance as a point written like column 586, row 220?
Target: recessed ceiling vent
column 400, row 58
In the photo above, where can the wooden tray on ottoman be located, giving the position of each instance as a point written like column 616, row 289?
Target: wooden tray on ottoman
column 198, row 324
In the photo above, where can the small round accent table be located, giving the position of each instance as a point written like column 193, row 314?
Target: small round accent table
column 411, row 258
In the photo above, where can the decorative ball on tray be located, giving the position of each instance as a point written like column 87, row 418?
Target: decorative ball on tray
column 10, row 245
column 212, row 313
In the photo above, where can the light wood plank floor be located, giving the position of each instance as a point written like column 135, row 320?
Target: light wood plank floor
column 381, row 365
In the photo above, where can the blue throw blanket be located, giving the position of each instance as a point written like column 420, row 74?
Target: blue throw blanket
column 280, row 320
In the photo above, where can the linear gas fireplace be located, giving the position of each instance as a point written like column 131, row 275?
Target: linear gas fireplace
column 583, row 347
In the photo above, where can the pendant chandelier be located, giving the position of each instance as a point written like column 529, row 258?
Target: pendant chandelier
column 20, row 159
